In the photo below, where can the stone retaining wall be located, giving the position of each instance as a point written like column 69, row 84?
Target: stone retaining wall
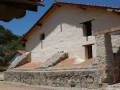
column 63, row 78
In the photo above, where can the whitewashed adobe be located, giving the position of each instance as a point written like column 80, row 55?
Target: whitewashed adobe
column 68, row 27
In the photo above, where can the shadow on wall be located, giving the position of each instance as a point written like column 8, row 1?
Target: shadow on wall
column 56, row 20
column 117, row 65
column 72, row 16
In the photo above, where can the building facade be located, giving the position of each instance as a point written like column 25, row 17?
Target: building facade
column 68, row 27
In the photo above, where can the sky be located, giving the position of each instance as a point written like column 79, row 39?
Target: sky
column 21, row 26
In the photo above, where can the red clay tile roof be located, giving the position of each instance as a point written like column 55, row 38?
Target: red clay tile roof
column 69, row 63
column 20, row 51
column 30, row 65
column 63, row 64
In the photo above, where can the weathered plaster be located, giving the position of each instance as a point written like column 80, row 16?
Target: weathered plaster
column 64, row 33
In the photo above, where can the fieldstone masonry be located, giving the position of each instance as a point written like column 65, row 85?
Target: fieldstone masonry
column 105, row 59
column 56, row 58
column 104, row 70
column 104, row 51
column 58, row 78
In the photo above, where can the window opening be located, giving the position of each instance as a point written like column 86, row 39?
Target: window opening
column 42, row 36
column 89, row 51
column 87, row 28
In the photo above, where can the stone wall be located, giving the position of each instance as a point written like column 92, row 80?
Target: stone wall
column 84, row 78
column 106, row 69
column 115, row 39
column 23, row 59
column 116, row 54
column 106, row 59
column 56, row 58
column 104, row 50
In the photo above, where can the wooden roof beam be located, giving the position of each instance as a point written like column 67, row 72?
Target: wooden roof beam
column 110, row 30
column 24, row 1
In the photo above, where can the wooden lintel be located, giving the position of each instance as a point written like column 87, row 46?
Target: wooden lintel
column 86, row 21
column 39, row 24
column 110, row 30
column 117, row 12
column 88, row 44
column 82, row 7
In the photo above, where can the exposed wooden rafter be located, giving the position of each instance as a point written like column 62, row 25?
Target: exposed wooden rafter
column 110, row 30
column 39, row 24
column 24, row 1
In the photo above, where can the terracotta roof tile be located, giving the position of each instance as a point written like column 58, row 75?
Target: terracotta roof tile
column 30, row 65
column 70, row 63
column 20, row 51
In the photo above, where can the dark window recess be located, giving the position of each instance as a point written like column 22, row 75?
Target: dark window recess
column 23, row 45
column 42, row 36
column 89, row 51
column 87, row 28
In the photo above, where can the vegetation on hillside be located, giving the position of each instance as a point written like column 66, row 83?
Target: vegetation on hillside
column 8, row 45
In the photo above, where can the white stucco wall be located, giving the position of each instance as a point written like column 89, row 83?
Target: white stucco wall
column 64, row 33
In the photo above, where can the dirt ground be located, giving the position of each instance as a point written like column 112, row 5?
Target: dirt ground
column 14, row 86
column 18, row 86
column 10, row 86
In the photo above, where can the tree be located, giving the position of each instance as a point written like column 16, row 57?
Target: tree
column 8, row 45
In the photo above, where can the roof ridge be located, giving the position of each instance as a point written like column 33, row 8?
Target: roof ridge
column 87, row 4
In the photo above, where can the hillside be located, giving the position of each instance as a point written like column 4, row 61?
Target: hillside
column 8, row 45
